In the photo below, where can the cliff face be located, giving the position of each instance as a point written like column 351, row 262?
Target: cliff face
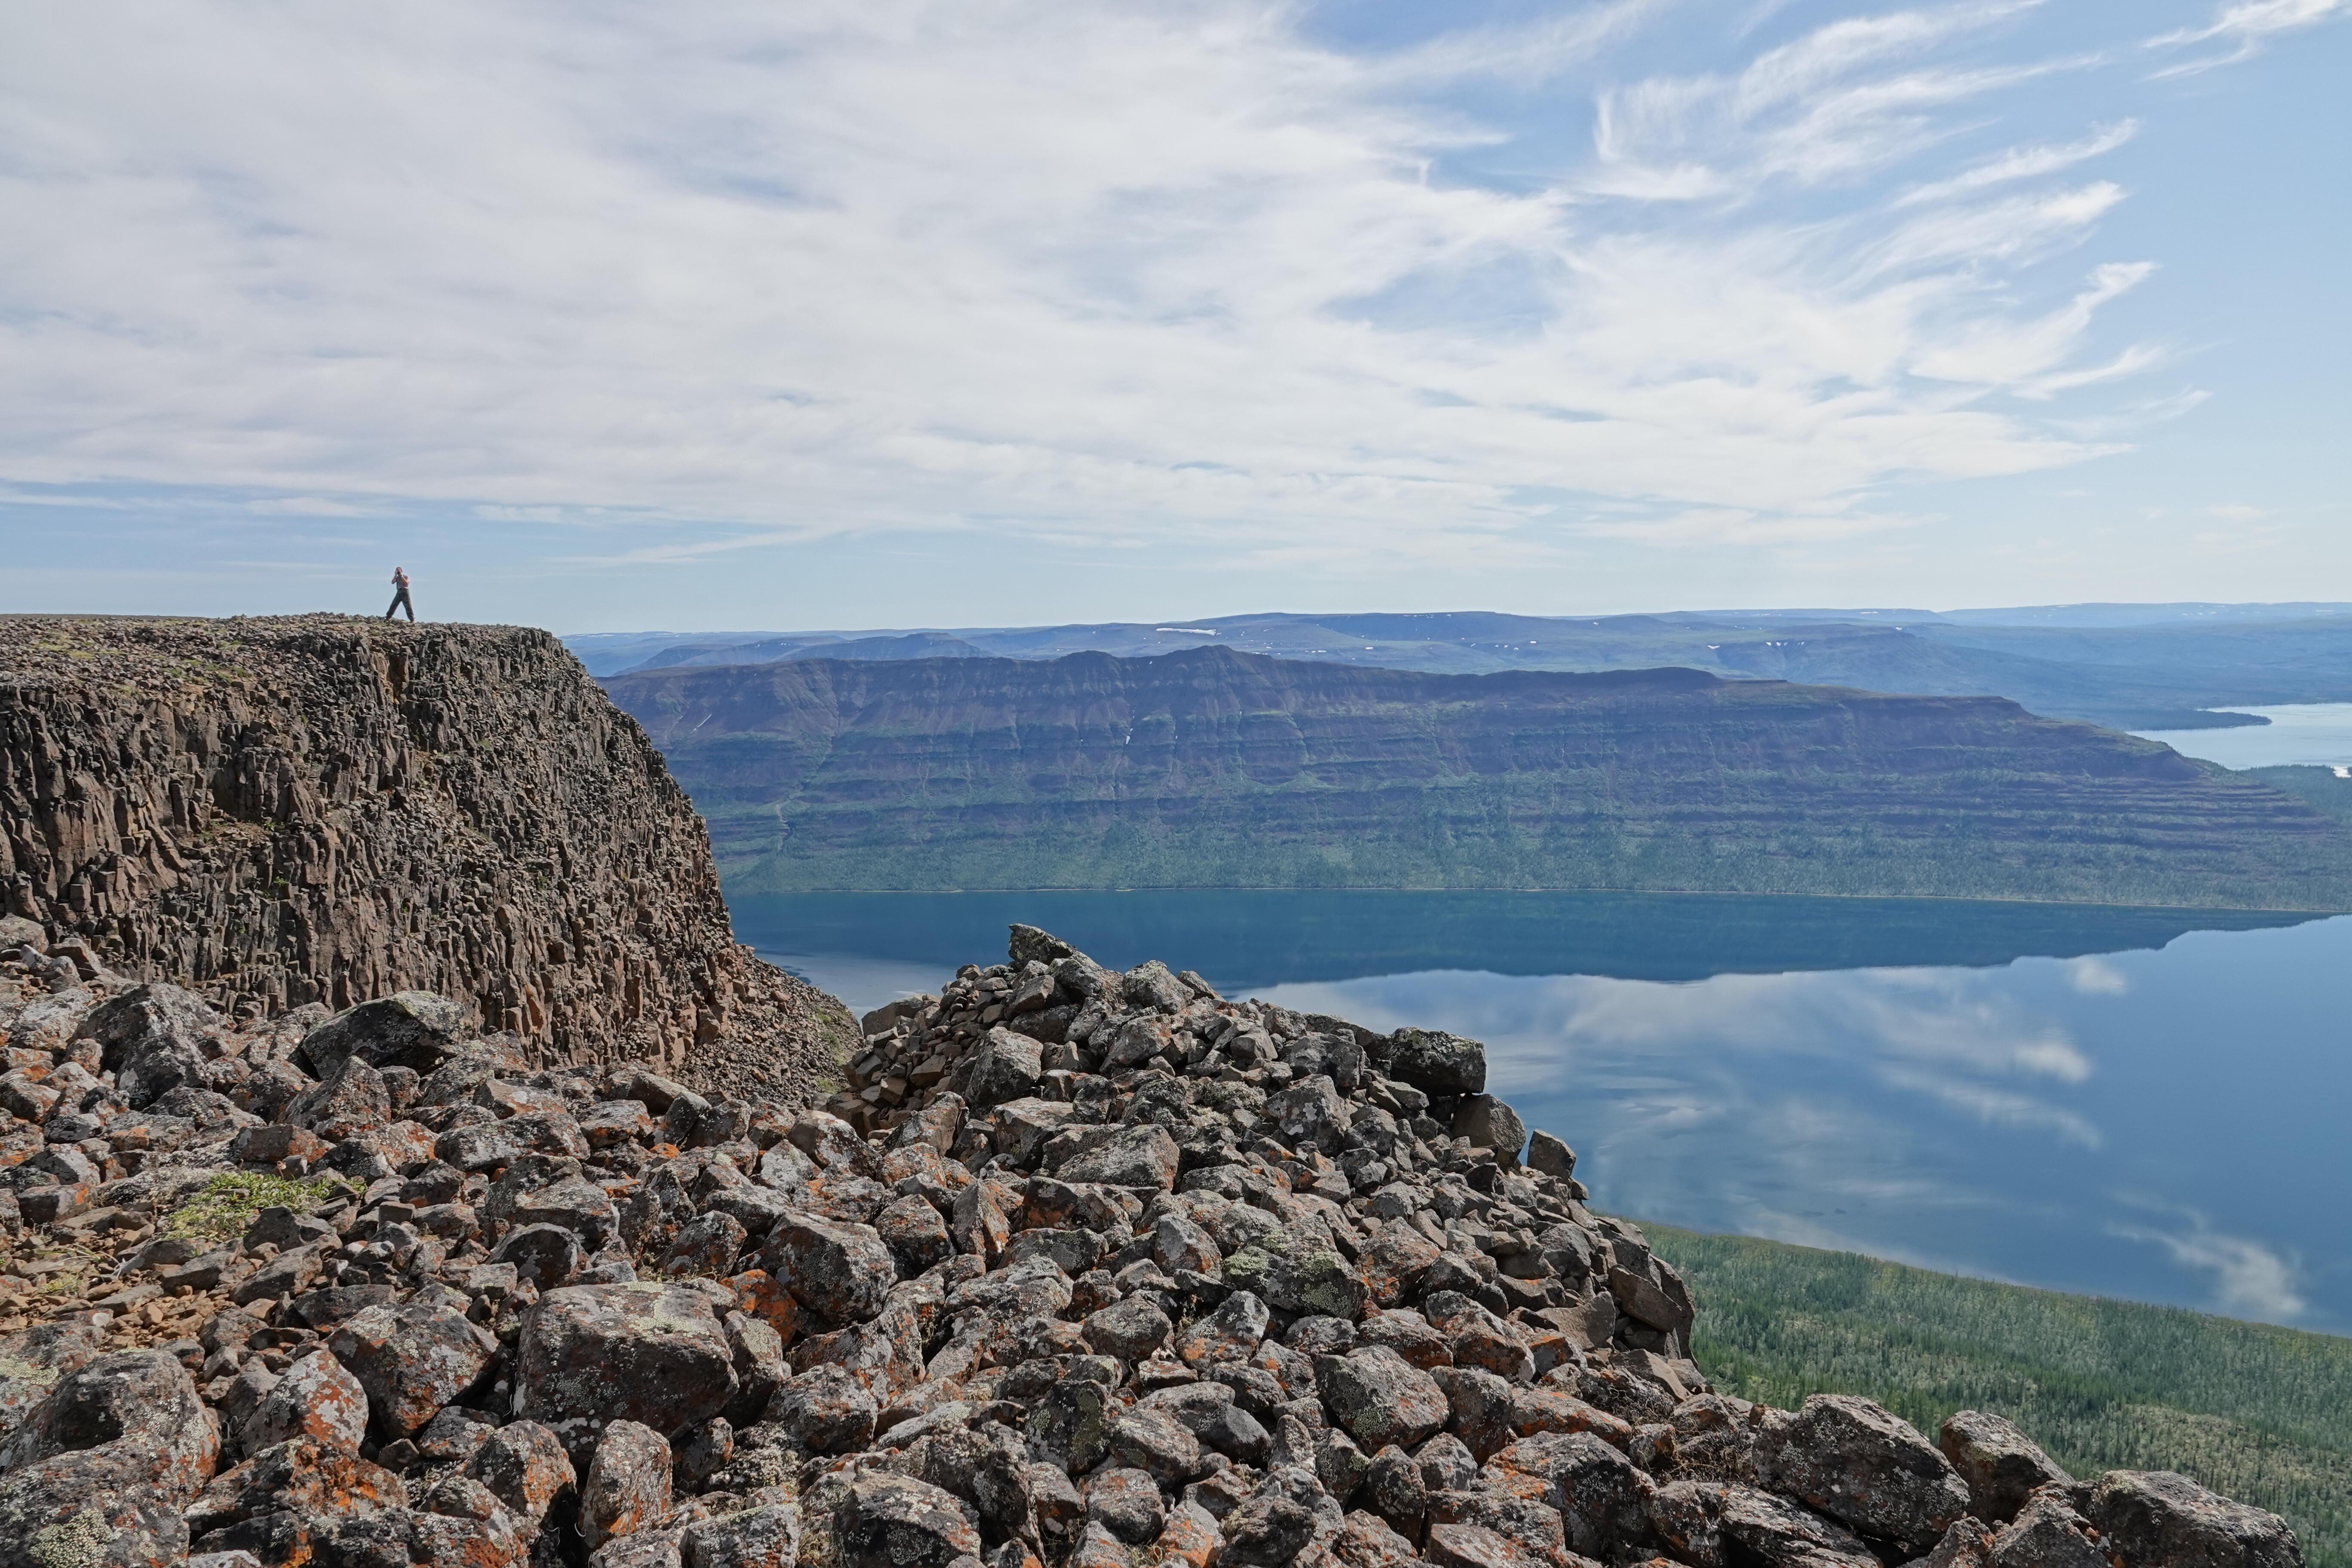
column 318, row 809
column 1214, row 768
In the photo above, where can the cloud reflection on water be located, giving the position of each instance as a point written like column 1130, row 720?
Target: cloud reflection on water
column 1832, row 1108
column 2148, row 1112
column 2253, row 1281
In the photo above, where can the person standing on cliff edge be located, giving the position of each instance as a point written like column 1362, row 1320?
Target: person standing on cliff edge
column 400, row 596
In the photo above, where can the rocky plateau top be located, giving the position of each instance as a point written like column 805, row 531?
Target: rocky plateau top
column 318, row 809
column 1084, row 1270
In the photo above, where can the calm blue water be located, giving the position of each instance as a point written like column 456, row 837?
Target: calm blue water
column 2303, row 734
column 2132, row 1103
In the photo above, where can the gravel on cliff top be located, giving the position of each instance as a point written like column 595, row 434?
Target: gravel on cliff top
column 1084, row 1268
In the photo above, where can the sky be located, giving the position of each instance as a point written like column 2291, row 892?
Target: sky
column 891, row 314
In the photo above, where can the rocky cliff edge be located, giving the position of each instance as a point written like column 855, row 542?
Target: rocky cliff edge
column 322, row 810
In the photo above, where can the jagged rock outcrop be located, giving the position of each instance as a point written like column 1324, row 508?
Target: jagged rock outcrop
column 322, row 810
column 1095, row 1269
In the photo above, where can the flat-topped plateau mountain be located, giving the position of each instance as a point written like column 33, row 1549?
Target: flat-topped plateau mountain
column 1214, row 768
column 2132, row 667
column 322, row 810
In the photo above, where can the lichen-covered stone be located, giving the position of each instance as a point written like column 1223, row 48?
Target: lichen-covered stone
column 1229, row 1333
column 1141, row 1157
column 840, row 1273
column 317, row 1398
column 104, row 1463
column 1437, row 1062
column 33, row 1360
column 1130, row 1330
column 885, row 1519
column 2160, row 1518
column 1378, row 1398
column 591, row 1355
column 2000, row 1465
column 524, row 1466
column 1854, row 1462
column 824, row 1410
column 916, row 1235
column 627, row 1487
column 410, row 1360
column 767, row 1537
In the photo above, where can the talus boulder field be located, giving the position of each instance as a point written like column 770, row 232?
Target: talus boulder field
column 315, row 810
column 1086, row 1269
column 1215, row 769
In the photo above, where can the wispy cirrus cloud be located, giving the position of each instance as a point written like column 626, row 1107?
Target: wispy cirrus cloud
column 2023, row 164
column 2245, row 28
column 1144, row 273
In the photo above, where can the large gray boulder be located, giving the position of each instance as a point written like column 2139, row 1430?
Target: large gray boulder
column 1861, row 1465
column 413, row 1029
column 101, row 1468
column 1007, row 1067
column 591, row 1355
column 895, row 1519
column 841, row 1272
column 1436, row 1062
column 2045, row 1532
column 152, row 1035
column 410, row 1360
column 628, row 1483
column 33, row 1360
column 2000, row 1465
column 1602, row 1500
column 1144, row 1157
column 1718, row 1524
column 1489, row 1123
column 1378, row 1398
column 2155, row 1518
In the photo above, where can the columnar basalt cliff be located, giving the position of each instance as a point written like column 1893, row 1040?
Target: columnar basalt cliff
column 318, row 809
column 1099, row 1270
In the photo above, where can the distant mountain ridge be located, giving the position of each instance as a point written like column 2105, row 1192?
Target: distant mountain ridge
column 1214, row 768
column 2128, row 666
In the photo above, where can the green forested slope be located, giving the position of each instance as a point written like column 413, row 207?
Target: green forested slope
column 2318, row 787
column 2260, row 1414
column 1209, row 768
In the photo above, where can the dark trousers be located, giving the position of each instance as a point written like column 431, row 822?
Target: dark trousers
column 400, row 602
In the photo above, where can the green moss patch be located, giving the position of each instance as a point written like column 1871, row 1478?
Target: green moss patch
column 223, row 1208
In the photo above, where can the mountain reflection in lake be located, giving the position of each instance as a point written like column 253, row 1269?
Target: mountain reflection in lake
column 2139, row 1103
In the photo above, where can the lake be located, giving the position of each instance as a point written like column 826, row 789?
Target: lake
column 2150, row 1104
column 2304, row 734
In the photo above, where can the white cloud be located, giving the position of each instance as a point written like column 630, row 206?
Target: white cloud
column 1142, row 271
column 2095, row 977
column 304, row 505
column 2239, row 541
column 2247, row 26
column 1995, row 1107
column 2024, row 163
column 2249, row 1279
column 2247, row 530
column 2027, row 355
column 1841, row 100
